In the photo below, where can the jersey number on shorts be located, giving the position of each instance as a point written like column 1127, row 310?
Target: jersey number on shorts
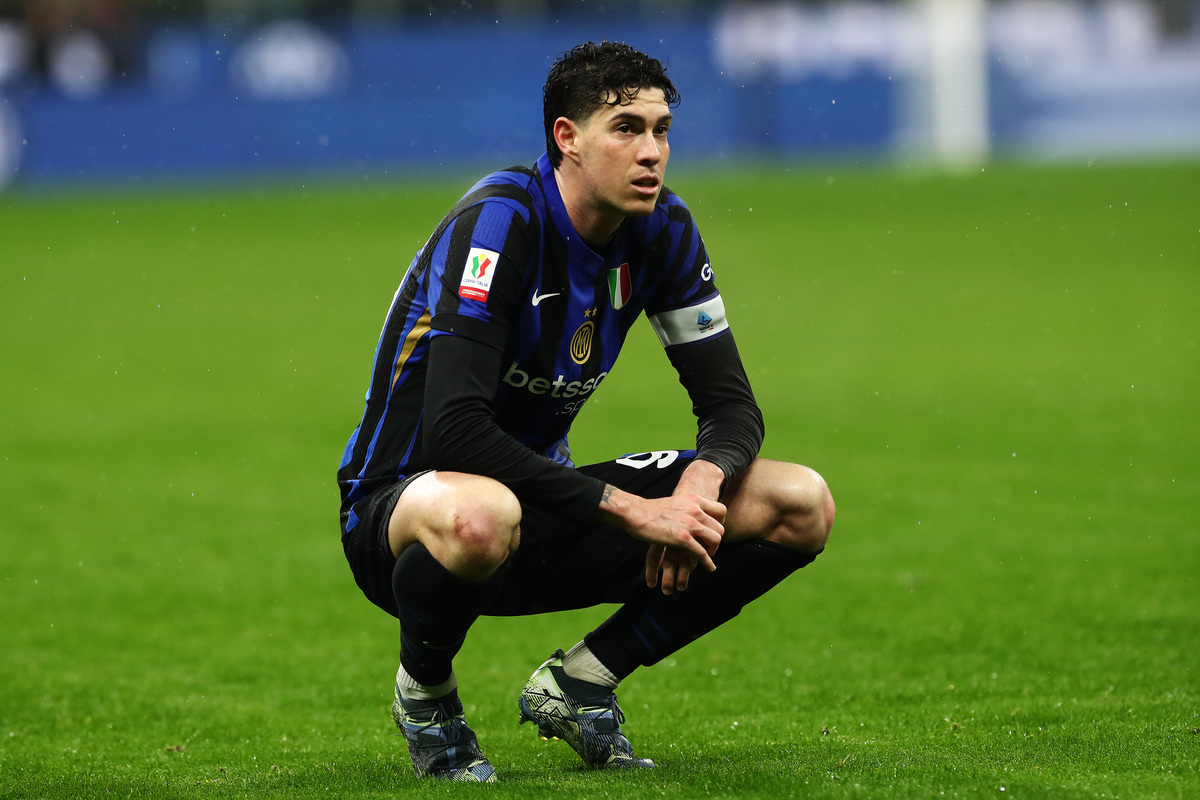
column 660, row 458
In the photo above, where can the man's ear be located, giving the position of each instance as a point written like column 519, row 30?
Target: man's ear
column 566, row 136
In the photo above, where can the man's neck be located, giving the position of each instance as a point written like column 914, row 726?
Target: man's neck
column 592, row 224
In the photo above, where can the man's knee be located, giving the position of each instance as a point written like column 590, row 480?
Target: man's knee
column 481, row 532
column 788, row 504
column 468, row 523
column 816, row 515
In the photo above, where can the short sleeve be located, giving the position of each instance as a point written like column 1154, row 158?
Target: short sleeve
column 477, row 272
column 688, row 307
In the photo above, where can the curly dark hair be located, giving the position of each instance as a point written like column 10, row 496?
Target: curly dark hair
column 591, row 75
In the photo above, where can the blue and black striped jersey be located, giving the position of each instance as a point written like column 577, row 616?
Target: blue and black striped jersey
column 506, row 270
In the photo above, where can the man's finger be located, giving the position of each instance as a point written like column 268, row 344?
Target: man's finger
column 668, row 575
column 696, row 548
column 654, row 562
column 710, row 507
column 714, row 509
column 683, row 573
column 708, row 539
column 678, row 565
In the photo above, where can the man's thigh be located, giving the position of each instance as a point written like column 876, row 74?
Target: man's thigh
column 562, row 566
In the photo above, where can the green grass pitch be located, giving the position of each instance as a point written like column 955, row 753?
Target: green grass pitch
column 997, row 374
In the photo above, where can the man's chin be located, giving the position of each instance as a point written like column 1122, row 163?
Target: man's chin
column 642, row 206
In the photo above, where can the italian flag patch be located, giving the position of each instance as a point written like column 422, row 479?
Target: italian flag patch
column 619, row 287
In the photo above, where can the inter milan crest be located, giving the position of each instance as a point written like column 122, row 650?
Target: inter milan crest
column 581, row 342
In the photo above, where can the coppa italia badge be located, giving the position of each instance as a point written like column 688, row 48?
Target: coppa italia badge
column 477, row 274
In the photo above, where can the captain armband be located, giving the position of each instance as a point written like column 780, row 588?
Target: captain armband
column 691, row 324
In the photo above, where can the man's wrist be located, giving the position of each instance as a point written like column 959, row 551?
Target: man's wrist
column 702, row 477
column 615, row 507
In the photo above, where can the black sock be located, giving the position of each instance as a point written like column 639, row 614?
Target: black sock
column 436, row 608
column 653, row 625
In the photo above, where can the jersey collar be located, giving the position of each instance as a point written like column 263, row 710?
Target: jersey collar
column 580, row 251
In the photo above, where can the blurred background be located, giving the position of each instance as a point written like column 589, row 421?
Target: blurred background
column 93, row 91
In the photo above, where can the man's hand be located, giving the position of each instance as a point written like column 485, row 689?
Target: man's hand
column 689, row 524
column 701, row 478
column 683, row 530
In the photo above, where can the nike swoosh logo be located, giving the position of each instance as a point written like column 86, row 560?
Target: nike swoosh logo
column 537, row 298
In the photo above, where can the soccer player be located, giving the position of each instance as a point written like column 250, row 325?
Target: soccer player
column 459, row 496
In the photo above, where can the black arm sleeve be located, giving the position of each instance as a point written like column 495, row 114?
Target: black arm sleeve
column 730, row 423
column 461, row 433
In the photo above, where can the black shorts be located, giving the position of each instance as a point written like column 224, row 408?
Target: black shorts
column 559, row 565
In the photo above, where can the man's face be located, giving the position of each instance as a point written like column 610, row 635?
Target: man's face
column 623, row 155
